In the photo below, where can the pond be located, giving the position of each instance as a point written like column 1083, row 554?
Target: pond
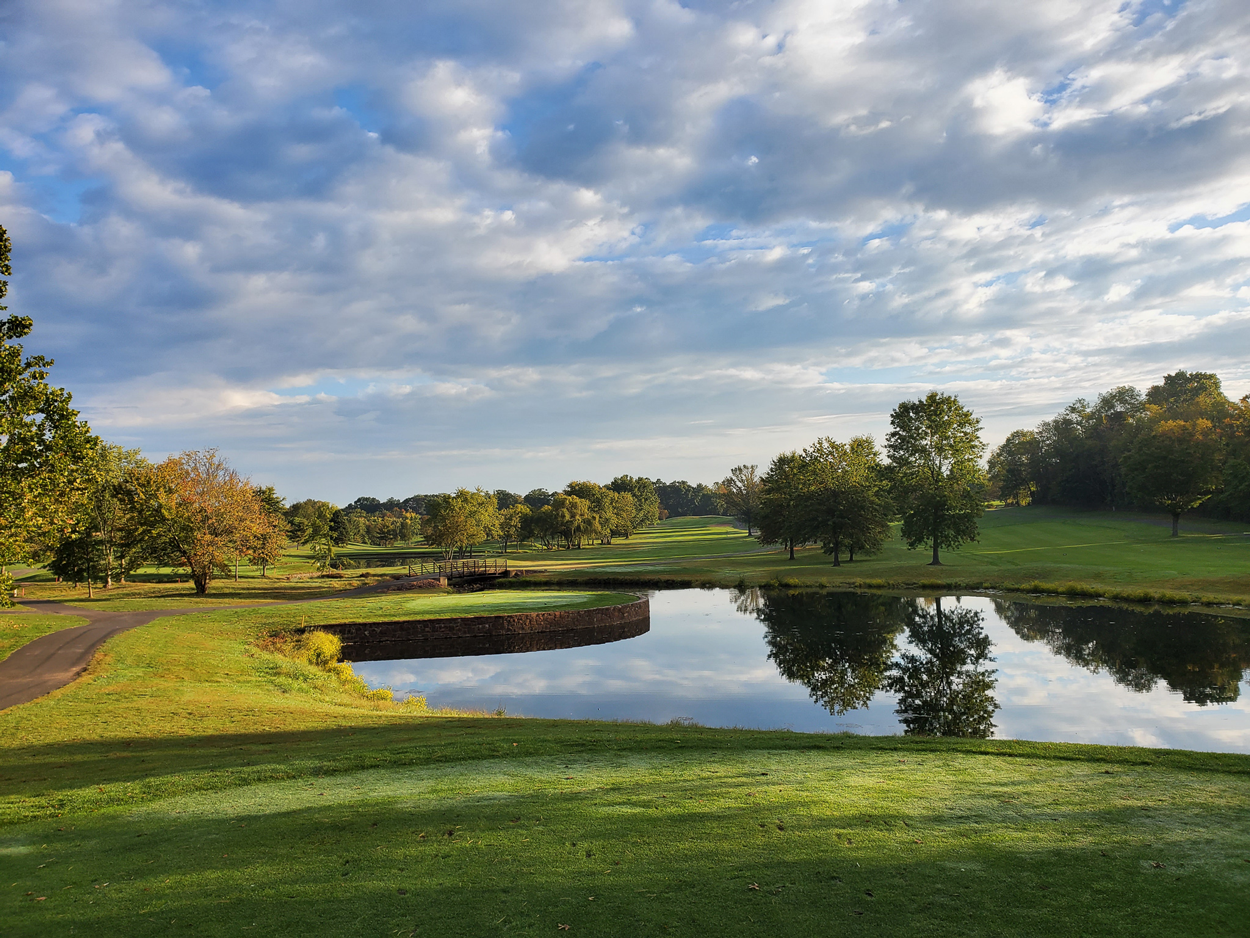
column 816, row 661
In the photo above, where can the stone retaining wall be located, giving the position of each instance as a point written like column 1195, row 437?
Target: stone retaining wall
column 411, row 631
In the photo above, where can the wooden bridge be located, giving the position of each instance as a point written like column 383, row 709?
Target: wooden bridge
column 459, row 569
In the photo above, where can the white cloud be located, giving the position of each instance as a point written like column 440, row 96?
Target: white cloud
column 575, row 225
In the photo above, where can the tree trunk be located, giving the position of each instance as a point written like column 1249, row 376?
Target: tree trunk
column 850, row 554
column 1176, row 524
column 201, row 582
column 791, row 548
column 935, row 562
column 837, row 552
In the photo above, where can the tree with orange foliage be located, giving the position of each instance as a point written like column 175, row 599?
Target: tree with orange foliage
column 199, row 514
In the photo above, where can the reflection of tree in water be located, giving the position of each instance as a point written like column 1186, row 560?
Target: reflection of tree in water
column 748, row 601
column 1203, row 657
column 943, row 687
column 838, row 645
column 841, row 646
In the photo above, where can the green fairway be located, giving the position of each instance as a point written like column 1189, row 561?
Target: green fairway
column 1019, row 547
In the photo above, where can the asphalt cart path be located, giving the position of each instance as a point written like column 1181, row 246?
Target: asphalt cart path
column 56, row 659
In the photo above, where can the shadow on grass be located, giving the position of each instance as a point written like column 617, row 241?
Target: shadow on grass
column 646, row 859
column 46, row 780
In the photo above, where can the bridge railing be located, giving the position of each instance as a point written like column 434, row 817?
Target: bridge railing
column 458, row 569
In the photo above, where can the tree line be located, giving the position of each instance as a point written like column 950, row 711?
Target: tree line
column 1180, row 446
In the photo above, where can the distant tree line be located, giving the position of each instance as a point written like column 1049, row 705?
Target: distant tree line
column 584, row 512
column 1180, row 446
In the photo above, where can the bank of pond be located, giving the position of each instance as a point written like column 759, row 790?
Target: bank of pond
column 822, row 661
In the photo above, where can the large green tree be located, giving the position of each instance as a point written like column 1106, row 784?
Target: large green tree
column 44, row 447
column 935, row 449
column 646, row 502
column 783, row 518
column 844, row 503
column 1175, row 464
column 740, row 494
column 111, row 513
column 1012, row 467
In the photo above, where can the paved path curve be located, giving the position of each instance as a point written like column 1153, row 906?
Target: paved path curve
column 53, row 660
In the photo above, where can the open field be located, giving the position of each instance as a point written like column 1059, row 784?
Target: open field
column 215, row 787
column 1108, row 552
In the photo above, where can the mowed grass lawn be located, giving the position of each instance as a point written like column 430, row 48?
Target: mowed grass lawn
column 443, row 604
column 193, row 783
column 1121, row 550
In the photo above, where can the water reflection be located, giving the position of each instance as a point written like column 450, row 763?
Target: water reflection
column 838, row 645
column 508, row 644
column 943, row 686
column 827, row 662
column 843, row 647
column 1201, row 657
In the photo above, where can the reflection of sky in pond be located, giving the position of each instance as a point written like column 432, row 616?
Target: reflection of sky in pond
column 706, row 661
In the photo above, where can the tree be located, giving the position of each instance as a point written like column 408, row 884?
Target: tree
column 646, row 502
column 934, row 447
column 1188, row 395
column 314, row 524
column 537, row 498
column 574, row 520
column 512, row 523
column 269, row 538
column 1176, row 465
column 460, row 521
column 197, row 513
column 111, row 517
column 1012, row 467
column 843, row 497
column 740, row 493
column 44, row 447
column 622, row 514
column 782, row 519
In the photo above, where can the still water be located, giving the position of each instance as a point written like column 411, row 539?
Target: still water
column 828, row 662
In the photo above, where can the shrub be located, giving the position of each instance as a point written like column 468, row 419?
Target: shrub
column 321, row 648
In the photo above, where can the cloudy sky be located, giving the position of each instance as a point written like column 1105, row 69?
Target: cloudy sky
column 376, row 247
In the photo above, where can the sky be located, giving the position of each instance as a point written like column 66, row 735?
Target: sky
column 382, row 248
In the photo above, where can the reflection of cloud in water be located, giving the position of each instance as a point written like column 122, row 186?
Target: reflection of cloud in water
column 704, row 660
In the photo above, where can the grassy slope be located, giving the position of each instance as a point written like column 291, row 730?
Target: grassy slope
column 215, row 787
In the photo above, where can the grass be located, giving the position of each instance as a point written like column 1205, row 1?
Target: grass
column 1123, row 555
column 193, row 782
column 657, row 831
column 443, row 604
column 19, row 628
